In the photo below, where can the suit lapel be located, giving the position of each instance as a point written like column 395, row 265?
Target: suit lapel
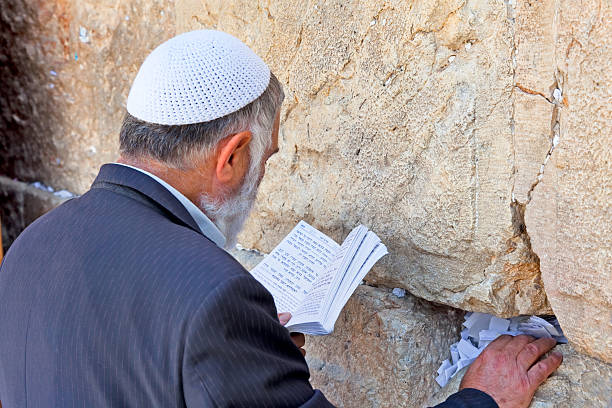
column 133, row 179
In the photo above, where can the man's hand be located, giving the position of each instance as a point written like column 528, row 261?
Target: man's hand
column 298, row 338
column 509, row 371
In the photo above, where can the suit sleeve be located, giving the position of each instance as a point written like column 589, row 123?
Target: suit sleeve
column 238, row 355
column 469, row 398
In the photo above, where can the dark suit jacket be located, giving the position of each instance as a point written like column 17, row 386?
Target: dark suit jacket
column 116, row 299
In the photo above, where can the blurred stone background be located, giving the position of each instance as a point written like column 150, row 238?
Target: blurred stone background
column 472, row 136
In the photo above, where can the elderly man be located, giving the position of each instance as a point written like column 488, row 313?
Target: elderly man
column 125, row 296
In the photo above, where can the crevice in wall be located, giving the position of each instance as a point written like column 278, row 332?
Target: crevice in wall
column 254, row 256
column 555, row 136
column 511, row 20
column 528, row 91
column 552, row 95
column 555, row 98
column 558, row 101
column 520, row 229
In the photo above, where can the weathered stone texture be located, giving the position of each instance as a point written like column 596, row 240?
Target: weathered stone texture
column 569, row 218
column 384, row 350
column 432, row 122
column 67, row 67
column 532, row 126
column 581, row 381
column 398, row 116
column 21, row 205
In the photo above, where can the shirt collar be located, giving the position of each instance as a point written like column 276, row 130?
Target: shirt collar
column 208, row 228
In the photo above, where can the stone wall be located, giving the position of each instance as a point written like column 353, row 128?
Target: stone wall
column 398, row 116
column 473, row 136
column 569, row 217
column 433, row 123
column 21, row 205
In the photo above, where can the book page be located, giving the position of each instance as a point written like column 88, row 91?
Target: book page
column 370, row 251
column 362, row 264
column 353, row 243
column 312, row 306
column 292, row 268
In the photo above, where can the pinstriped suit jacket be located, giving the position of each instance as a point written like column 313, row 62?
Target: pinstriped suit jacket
column 116, row 299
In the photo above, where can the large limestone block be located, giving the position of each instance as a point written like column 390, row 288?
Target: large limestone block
column 581, row 381
column 65, row 74
column 569, row 218
column 384, row 350
column 398, row 115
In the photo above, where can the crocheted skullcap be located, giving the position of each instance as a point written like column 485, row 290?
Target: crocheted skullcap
column 197, row 77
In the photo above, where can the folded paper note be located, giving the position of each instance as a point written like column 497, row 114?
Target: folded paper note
column 481, row 329
column 312, row 277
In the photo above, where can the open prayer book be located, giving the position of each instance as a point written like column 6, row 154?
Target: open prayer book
column 312, row 277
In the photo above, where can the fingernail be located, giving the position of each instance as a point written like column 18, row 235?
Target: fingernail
column 557, row 354
column 284, row 317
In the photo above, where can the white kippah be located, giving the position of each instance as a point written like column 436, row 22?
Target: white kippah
column 197, row 77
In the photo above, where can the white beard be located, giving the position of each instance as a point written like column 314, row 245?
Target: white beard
column 231, row 214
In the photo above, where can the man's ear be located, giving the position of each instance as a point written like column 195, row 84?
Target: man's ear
column 233, row 157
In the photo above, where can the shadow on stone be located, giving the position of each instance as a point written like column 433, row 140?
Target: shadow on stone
column 27, row 113
column 21, row 205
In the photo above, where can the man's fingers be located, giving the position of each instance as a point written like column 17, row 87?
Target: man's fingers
column 500, row 343
column 298, row 339
column 284, row 317
column 518, row 343
column 540, row 372
column 531, row 352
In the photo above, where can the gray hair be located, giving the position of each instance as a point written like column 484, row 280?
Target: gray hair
column 179, row 146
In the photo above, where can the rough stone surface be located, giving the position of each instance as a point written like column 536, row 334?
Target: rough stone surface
column 399, row 115
column 21, row 205
column 569, row 217
column 384, row 350
column 435, row 123
column 67, row 66
column 581, row 381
